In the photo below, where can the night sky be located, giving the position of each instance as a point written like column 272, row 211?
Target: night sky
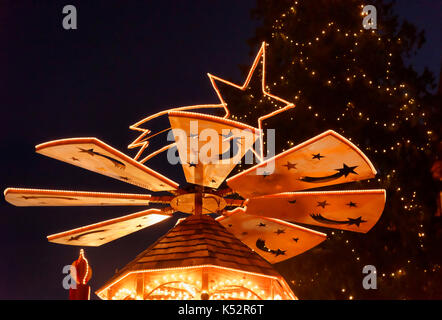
column 126, row 60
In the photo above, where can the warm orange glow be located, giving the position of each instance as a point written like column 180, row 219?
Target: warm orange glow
column 303, row 145
column 336, row 192
column 261, row 54
column 142, row 141
column 186, row 283
column 112, row 151
column 87, row 266
column 158, row 212
column 78, row 193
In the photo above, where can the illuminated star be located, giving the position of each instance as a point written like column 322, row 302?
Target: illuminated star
column 250, row 103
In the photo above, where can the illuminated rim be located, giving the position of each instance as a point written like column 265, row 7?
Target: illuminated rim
column 87, row 266
column 261, row 54
column 304, row 144
column 39, row 148
column 280, row 279
column 208, row 117
column 106, row 195
column 107, row 222
column 313, row 193
column 169, row 283
column 143, row 142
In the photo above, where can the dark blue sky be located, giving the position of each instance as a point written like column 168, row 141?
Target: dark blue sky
column 127, row 60
column 427, row 15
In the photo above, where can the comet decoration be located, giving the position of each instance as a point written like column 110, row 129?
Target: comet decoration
column 257, row 209
column 318, row 217
column 92, row 153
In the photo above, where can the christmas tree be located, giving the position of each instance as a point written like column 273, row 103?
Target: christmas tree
column 356, row 81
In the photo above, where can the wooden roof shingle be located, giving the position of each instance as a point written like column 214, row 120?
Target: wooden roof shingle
column 198, row 240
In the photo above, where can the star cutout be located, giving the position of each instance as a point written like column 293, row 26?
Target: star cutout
column 290, row 165
column 139, row 226
column 295, row 239
column 323, row 204
column 351, row 204
column 346, row 170
column 292, row 201
column 279, row 231
column 191, row 164
column 356, row 221
column 279, row 252
column 261, row 224
column 317, row 156
column 252, row 96
column 75, row 159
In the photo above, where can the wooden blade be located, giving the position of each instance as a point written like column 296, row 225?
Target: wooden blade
column 345, row 210
column 93, row 154
column 97, row 234
column 210, row 146
column 45, row 198
column 324, row 160
column 275, row 240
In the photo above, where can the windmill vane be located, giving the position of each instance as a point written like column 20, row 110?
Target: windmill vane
column 250, row 209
